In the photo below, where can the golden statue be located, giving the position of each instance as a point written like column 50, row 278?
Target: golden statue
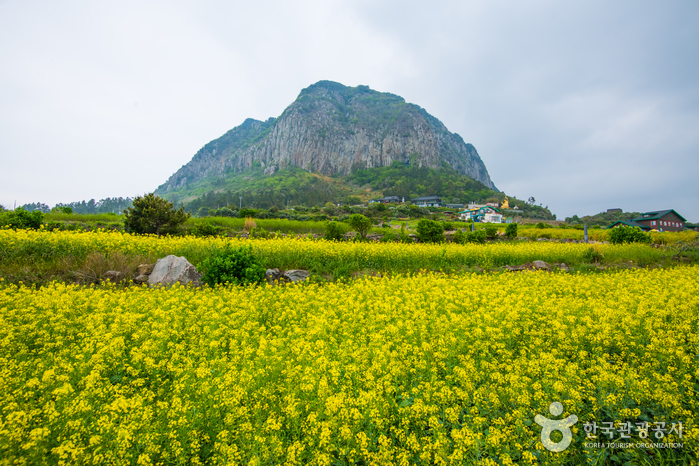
column 505, row 204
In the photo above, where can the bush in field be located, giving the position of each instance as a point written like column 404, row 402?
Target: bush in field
column 21, row 219
column 249, row 224
column 448, row 226
column 389, row 236
column 541, row 225
column 360, row 224
column 594, row 254
column 511, row 231
column 333, row 231
column 491, row 231
column 236, row 266
column 205, row 229
column 259, row 232
column 429, row 231
column 153, row 214
column 622, row 235
column 477, row 237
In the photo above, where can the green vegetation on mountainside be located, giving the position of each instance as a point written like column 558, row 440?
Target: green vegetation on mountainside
column 292, row 186
column 409, row 182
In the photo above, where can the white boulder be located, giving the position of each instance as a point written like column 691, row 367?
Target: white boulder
column 172, row 269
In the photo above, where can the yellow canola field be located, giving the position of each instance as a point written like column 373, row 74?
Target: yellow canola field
column 317, row 255
column 425, row 369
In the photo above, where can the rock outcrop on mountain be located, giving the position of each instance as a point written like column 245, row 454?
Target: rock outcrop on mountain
column 331, row 129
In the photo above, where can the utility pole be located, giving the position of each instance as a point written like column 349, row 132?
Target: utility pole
column 241, row 201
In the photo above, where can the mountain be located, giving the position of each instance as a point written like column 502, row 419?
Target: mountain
column 329, row 130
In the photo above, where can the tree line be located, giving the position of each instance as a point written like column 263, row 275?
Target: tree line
column 110, row 204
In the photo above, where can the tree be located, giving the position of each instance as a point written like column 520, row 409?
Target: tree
column 244, row 213
column 429, row 231
column 333, row 231
column 21, row 219
column 153, row 214
column 491, row 231
column 360, row 224
column 330, row 208
column 62, row 209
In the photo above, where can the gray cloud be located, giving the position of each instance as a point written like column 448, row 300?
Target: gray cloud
column 584, row 106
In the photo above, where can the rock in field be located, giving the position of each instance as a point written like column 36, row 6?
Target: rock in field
column 540, row 265
column 296, row 275
column 172, row 269
column 112, row 275
column 272, row 274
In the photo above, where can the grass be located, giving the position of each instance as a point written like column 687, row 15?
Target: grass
column 270, row 224
column 83, row 218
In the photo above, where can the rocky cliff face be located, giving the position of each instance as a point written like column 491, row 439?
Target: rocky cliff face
column 330, row 129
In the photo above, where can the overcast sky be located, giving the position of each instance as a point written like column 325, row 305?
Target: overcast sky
column 584, row 105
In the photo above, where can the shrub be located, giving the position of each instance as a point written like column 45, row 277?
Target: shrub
column 593, row 254
column 389, row 236
column 153, row 214
column 477, row 236
column 236, row 266
column 206, row 229
column 429, row 231
column 360, row 224
column 222, row 212
column 21, row 219
column 491, row 231
column 249, row 224
column 541, row 225
column 448, row 226
column 333, row 231
column 622, row 235
column 259, row 232
column 247, row 213
column 330, row 208
column 511, row 230
column 53, row 226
